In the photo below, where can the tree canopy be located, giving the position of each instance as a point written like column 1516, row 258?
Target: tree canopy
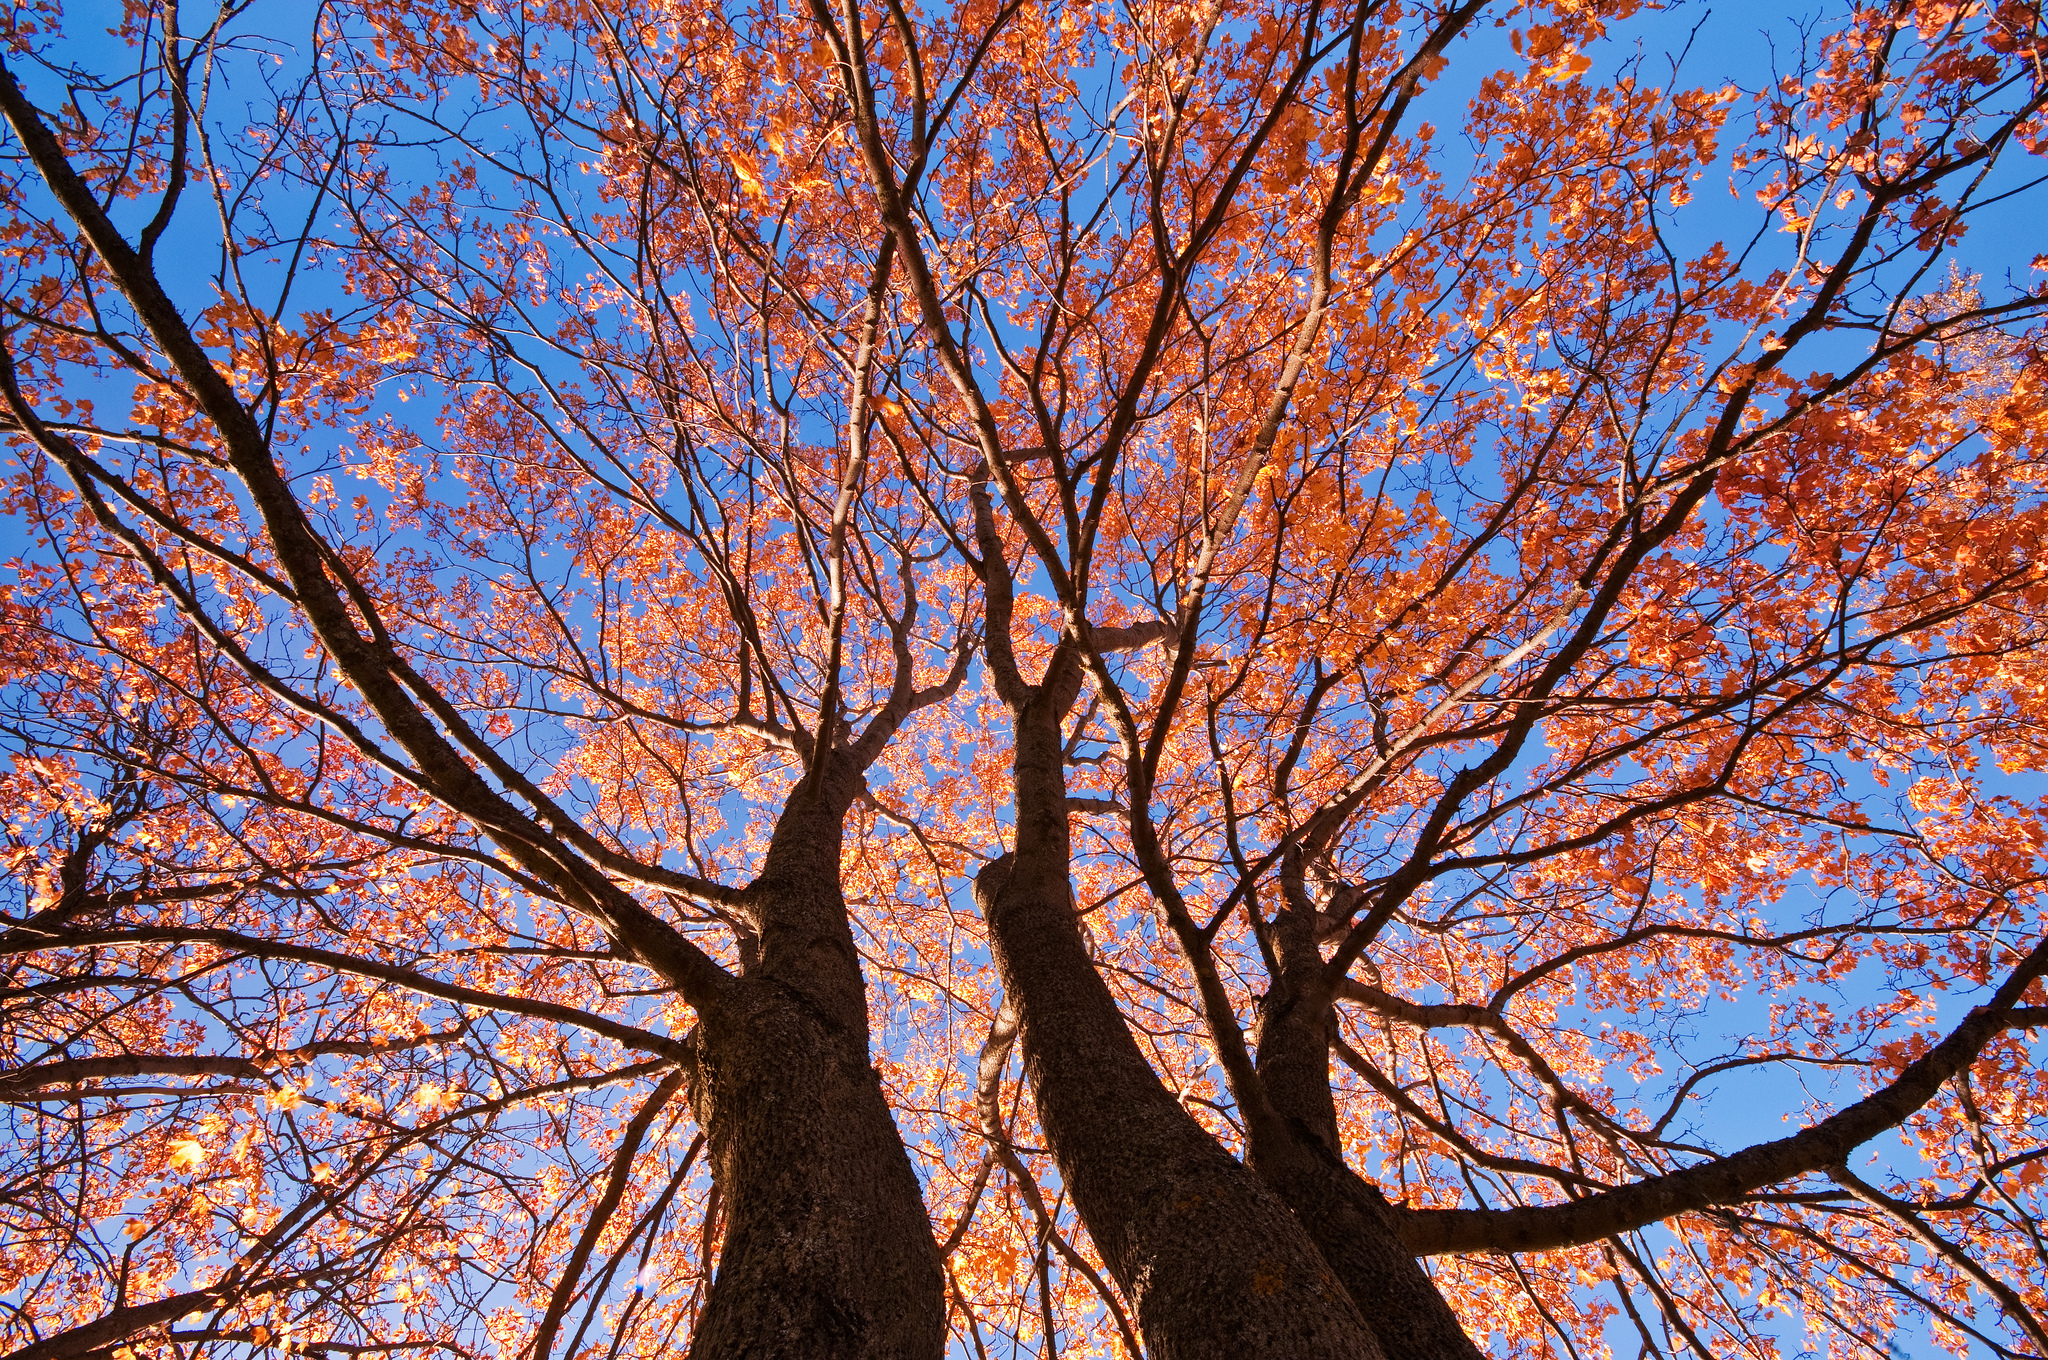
column 1193, row 678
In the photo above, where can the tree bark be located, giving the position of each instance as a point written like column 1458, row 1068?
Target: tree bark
column 1212, row 1262
column 1299, row 1155
column 828, row 1248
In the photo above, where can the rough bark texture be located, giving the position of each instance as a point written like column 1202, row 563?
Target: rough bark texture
column 1212, row 1262
column 1299, row 1155
column 828, row 1249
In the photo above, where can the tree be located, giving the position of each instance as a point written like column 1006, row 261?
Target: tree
column 685, row 585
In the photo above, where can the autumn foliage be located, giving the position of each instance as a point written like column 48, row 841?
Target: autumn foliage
column 1256, row 677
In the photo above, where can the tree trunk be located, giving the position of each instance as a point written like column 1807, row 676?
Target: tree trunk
column 828, row 1248
column 1213, row 1263
column 1299, row 1155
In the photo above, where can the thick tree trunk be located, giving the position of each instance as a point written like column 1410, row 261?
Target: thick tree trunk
column 1299, row 1155
column 1214, row 1264
column 828, row 1249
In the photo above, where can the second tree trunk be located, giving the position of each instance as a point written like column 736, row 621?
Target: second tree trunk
column 1212, row 1261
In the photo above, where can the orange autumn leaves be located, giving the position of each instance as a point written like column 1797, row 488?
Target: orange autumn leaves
column 569, row 399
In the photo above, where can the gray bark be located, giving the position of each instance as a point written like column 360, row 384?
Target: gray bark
column 828, row 1249
column 1299, row 1155
column 1212, row 1262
